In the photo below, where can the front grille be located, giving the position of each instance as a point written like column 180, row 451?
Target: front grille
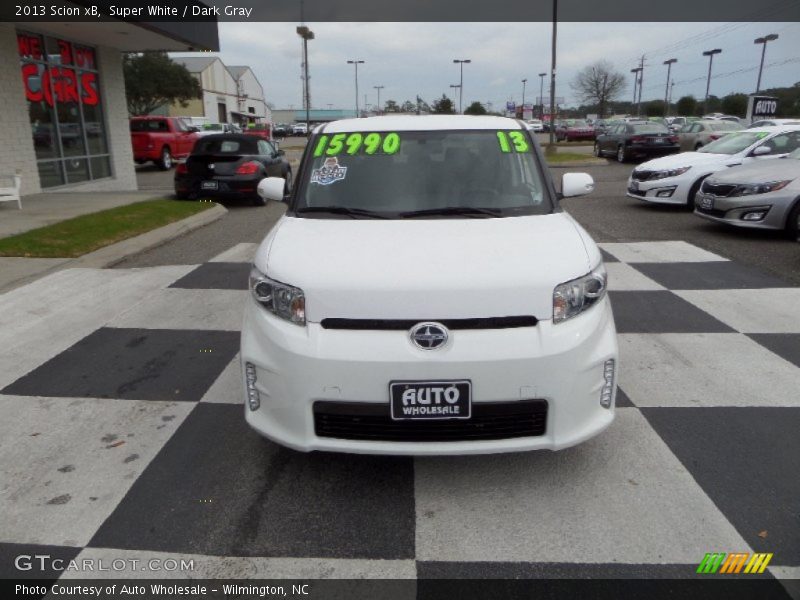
column 404, row 324
column 372, row 422
column 721, row 190
column 714, row 212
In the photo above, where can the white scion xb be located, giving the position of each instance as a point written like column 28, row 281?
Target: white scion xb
column 676, row 179
column 426, row 294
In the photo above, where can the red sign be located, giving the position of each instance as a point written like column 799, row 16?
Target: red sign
column 44, row 82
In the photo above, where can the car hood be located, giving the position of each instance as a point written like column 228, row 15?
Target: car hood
column 685, row 159
column 427, row 269
column 759, row 172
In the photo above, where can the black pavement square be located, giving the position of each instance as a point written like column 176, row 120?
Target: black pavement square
column 27, row 561
column 661, row 312
column 747, row 460
column 715, row 275
column 608, row 257
column 785, row 345
column 135, row 364
column 216, row 276
column 623, row 401
column 219, row 488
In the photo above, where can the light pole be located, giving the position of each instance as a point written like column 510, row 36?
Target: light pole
column 355, row 63
column 666, row 89
column 763, row 41
column 461, row 63
column 710, row 54
column 524, row 83
column 635, row 72
column 379, row 88
column 541, row 95
column 553, row 74
column 305, row 33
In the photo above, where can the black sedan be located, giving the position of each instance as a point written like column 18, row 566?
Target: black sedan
column 230, row 165
column 630, row 140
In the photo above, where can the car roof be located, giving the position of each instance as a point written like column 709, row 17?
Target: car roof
column 423, row 123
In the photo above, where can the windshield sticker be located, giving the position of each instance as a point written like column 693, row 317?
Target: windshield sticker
column 330, row 172
column 357, row 143
column 512, row 141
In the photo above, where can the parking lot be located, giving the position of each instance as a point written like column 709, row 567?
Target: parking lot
column 124, row 435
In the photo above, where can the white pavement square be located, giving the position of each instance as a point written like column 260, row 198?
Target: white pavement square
column 228, row 388
column 66, row 463
column 624, row 278
column 704, row 369
column 620, row 497
column 771, row 310
column 661, row 252
column 181, row 308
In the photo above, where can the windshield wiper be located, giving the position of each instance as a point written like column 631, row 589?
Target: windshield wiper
column 467, row 211
column 353, row 213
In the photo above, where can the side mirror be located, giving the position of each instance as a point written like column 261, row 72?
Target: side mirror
column 576, row 184
column 761, row 151
column 271, row 188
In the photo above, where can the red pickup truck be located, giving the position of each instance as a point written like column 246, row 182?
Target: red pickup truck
column 161, row 140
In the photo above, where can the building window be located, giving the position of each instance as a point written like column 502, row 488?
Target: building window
column 64, row 106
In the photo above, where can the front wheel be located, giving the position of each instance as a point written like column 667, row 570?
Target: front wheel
column 697, row 147
column 288, row 184
column 622, row 156
column 793, row 222
column 597, row 151
column 165, row 162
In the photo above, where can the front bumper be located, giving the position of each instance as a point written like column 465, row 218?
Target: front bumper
column 731, row 211
column 298, row 366
column 670, row 190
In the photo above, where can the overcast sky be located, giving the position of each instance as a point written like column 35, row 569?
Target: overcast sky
column 417, row 58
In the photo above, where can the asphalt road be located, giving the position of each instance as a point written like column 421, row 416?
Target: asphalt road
column 607, row 214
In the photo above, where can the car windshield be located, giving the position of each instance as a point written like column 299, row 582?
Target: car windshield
column 225, row 145
column 724, row 126
column 415, row 173
column 734, row 143
column 649, row 128
column 577, row 123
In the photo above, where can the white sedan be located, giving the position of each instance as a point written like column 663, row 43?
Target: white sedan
column 535, row 125
column 675, row 179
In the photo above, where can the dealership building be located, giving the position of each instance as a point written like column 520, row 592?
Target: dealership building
column 65, row 118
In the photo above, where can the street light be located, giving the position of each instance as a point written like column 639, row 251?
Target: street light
column 379, row 88
column 541, row 95
column 666, row 90
column 710, row 54
column 524, row 83
column 355, row 63
column 553, row 42
column 763, row 40
column 635, row 72
column 305, row 33
column 461, row 63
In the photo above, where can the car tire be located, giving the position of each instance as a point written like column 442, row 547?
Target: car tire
column 258, row 201
column 793, row 222
column 697, row 147
column 693, row 192
column 597, row 151
column 622, row 156
column 181, row 196
column 165, row 162
column 289, row 185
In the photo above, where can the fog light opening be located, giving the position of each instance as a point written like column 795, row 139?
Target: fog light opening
column 607, row 393
column 665, row 193
column 756, row 215
column 253, row 399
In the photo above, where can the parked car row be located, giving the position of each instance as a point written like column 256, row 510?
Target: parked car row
column 748, row 178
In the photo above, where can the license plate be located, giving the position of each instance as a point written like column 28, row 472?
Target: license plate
column 429, row 400
column 659, row 140
column 208, row 185
column 707, row 202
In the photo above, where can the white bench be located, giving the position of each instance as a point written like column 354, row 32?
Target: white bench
column 9, row 194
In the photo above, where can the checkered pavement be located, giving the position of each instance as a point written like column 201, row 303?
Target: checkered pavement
column 122, row 436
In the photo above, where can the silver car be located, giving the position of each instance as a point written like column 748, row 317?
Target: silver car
column 699, row 133
column 763, row 195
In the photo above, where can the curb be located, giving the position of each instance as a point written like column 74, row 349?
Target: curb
column 581, row 163
column 116, row 253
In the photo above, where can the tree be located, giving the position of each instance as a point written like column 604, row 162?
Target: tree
column 422, row 106
column 598, row 84
column 735, row 104
column 687, row 105
column 391, row 107
column 476, row 108
column 153, row 79
column 654, row 108
column 443, row 106
column 408, row 107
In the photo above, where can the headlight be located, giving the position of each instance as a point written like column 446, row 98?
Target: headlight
column 668, row 173
column 573, row 297
column 749, row 189
column 282, row 300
